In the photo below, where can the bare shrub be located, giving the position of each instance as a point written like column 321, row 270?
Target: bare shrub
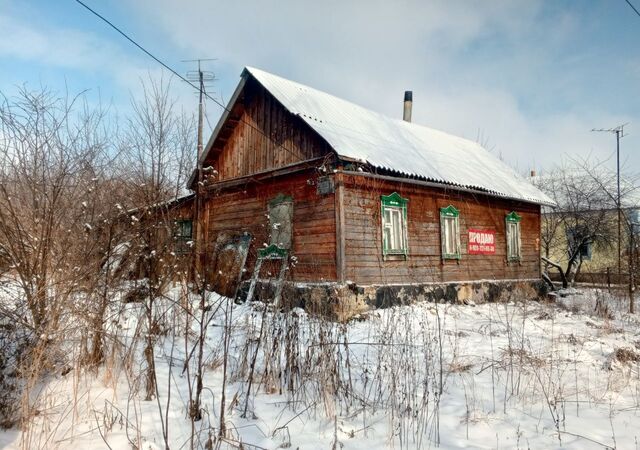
column 627, row 355
column 15, row 344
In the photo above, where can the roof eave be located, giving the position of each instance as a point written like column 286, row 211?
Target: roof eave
column 394, row 174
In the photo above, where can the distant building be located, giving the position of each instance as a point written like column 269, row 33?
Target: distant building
column 587, row 204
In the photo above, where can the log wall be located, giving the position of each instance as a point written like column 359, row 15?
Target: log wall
column 364, row 263
column 245, row 209
column 264, row 136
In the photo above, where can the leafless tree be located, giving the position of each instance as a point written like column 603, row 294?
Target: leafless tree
column 55, row 153
column 582, row 217
column 158, row 148
column 49, row 158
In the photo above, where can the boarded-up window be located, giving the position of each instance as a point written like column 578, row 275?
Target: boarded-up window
column 394, row 225
column 280, row 221
column 513, row 236
column 450, row 232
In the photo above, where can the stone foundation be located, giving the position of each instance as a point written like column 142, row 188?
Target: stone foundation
column 343, row 302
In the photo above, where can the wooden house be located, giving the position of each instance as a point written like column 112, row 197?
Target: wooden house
column 351, row 198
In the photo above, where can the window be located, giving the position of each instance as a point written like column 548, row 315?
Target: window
column 280, row 219
column 450, row 232
column 579, row 237
column 394, row 224
column 513, row 236
column 183, row 235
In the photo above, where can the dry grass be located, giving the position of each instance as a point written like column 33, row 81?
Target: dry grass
column 627, row 355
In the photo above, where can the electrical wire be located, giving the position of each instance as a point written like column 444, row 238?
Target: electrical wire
column 632, row 7
column 159, row 61
column 363, row 139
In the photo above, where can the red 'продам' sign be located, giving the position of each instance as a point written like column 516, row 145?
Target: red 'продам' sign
column 482, row 242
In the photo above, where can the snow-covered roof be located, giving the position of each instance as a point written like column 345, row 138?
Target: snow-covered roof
column 405, row 148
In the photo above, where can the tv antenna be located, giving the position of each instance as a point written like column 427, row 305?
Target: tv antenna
column 202, row 77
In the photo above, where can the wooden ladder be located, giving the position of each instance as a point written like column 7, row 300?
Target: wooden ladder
column 272, row 252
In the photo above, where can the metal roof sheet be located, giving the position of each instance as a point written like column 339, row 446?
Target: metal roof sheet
column 406, row 148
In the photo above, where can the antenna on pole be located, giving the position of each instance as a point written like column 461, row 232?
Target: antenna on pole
column 619, row 132
column 202, row 77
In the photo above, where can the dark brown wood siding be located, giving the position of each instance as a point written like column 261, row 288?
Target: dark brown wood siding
column 363, row 247
column 264, row 136
column 245, row 209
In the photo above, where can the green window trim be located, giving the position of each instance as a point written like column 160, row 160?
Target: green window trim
column 394, row 202
column 181, row 229
column 512, row 225
column 183, row 236
column 450, row 213
column 272, row 252
column 513, row 217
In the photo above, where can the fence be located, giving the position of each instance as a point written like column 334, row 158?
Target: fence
column 607, row 278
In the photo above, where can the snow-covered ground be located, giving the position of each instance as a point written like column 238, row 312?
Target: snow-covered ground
column 517, row 375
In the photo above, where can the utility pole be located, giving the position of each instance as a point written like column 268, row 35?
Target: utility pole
column 619, row 132
column 201, row 77
column 632, row 267
column 634, row 223
column 199, row 261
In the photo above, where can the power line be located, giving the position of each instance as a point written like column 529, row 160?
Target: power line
column 250, row 125
column 148, row 53
column 632, row 7
column 139, row 46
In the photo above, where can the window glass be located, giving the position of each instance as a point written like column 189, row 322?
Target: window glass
column 394, row 224
column 513, row 236
column 579, row 240
column 450, row 232
column 183, row 235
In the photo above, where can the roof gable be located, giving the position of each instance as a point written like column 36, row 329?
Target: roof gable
column 257, row 134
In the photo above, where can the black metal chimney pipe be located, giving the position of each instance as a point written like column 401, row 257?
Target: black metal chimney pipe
column 408, row 105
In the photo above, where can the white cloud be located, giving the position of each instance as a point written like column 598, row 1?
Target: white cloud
column 370, row 52
column 523, row 93
column 53, row 46
column 75, row 51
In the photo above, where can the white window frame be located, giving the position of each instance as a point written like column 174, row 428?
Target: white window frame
column 394, row 227
column 512, row 226
column 450, row 223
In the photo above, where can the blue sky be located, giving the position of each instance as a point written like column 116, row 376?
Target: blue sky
column 528, row 79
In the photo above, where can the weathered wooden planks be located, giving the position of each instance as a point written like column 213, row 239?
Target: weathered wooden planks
column 314, row 229
column 363, row 247
column 264, row 137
